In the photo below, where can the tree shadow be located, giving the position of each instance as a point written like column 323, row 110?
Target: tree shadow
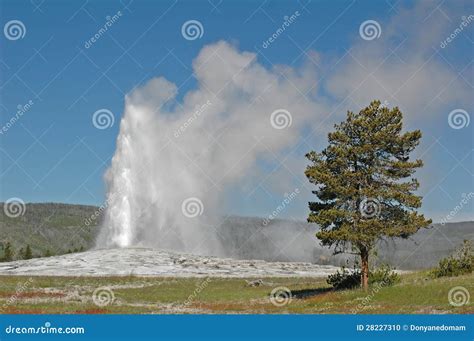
column 306, row 293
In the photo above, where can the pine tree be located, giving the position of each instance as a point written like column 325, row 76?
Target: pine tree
column 359, row 179
column 7, row 252
column 28, row 254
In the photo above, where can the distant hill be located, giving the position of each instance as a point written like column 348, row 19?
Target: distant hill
column 51, row 228
column 284, row 240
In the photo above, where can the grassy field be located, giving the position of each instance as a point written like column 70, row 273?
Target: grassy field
column 416, row 293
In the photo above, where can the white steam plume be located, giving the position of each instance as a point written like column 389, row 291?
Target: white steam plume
column 171, row 152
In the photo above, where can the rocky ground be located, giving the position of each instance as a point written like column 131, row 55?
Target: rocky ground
column 151, row 262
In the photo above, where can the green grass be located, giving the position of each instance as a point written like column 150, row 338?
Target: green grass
column 416, row 293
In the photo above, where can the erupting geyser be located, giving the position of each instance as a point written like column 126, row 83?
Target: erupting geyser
column 176, row 158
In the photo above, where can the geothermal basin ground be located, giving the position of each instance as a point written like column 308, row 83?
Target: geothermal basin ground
column 152, row 262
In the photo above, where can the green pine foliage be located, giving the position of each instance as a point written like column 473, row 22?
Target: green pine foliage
column 364, row 183
column 384, row 276
column 346, row 279
column 460, row 263
column 28, row 254
column 350, row 279
column 7, row 252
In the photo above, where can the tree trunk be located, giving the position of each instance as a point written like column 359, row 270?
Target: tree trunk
column 364, row 256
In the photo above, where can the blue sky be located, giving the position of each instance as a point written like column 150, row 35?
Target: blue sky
column 53, row 152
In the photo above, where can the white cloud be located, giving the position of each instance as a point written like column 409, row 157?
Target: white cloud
column 403, row 66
